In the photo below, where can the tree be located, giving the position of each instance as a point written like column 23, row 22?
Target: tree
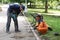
column 31, row 1
column 46, row 6
column 19, row 1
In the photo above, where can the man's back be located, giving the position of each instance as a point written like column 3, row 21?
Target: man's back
column 14, row 8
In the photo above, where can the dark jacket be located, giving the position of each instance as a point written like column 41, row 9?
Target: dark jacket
column 14, row 8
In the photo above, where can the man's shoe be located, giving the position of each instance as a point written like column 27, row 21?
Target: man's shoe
column 18, row 31
column 8, row 32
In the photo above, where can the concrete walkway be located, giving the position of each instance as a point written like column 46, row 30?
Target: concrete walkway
column 25, row 34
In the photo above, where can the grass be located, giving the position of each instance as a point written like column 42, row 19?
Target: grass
column 42, row 10
column 52, row 21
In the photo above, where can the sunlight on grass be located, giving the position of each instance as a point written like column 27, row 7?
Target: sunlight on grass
column 43, row 10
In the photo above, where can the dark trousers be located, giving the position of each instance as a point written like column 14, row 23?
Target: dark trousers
column 14, row 17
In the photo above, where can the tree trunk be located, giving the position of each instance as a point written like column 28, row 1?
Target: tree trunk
column 30, row 4
column 46, row 6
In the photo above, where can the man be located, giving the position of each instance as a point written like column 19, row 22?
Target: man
column 13, row 12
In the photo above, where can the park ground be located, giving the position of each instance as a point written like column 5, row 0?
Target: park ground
column 52, row 18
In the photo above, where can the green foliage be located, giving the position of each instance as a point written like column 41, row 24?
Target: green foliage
column 21, row 1
column 14, row 0
column 52, row 4
column 31, row 1
column 39, row 4
column 0, row 0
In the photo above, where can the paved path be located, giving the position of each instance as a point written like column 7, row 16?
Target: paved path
column 25, row 34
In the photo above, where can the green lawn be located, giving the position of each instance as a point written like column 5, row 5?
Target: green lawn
column 52, row 21
column 43, row 10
